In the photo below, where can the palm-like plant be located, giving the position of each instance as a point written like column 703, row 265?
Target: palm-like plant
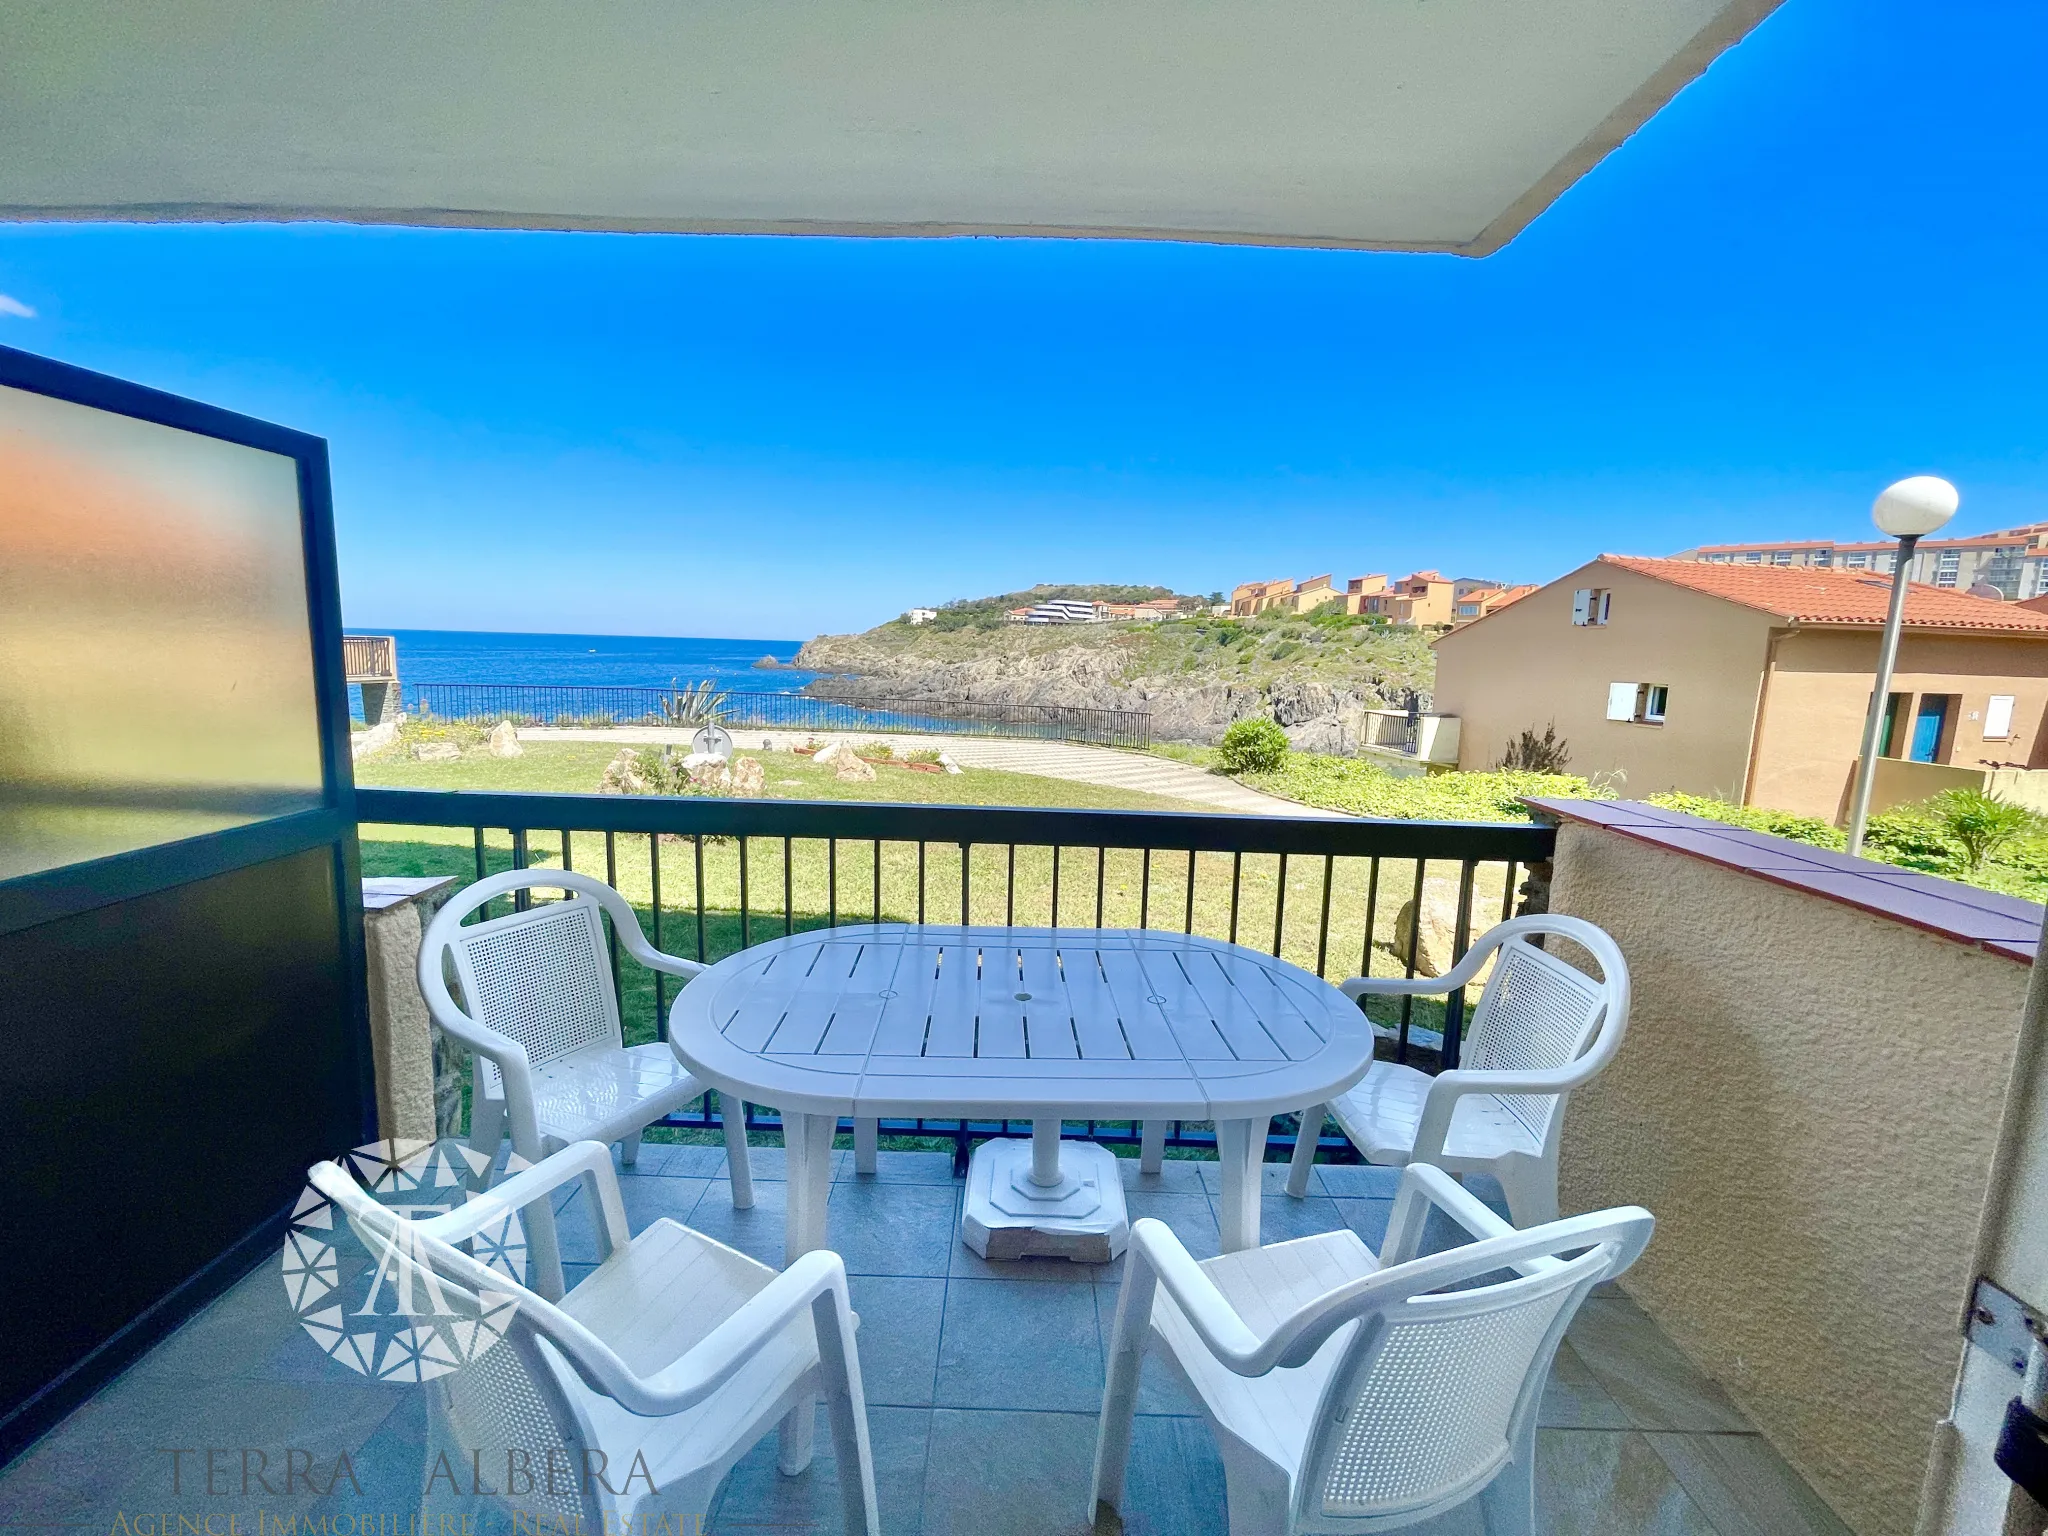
column 1980, row 824
column 688, row 706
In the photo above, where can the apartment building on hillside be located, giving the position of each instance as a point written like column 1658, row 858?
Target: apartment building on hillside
column 1425, row 598
column 2014, row 561
column 1752, row 682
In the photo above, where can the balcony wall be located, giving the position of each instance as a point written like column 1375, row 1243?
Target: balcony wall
column 1810, row 1099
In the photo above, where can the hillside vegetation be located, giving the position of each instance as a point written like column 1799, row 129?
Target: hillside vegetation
column 1315, row 674
column 988, row 612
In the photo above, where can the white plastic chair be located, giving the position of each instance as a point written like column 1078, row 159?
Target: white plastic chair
column 1354, row 1394
column 676, row 1349
column 542, row 1024
column 1542, row 1028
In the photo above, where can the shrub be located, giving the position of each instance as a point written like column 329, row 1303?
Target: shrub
column 1530, row 753
column 880, row 749
column 1252, row 746
column 1980, row 824
column 1285, row 649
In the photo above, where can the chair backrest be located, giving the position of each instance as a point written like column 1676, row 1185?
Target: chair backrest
column 1438, row 1386
column 511, row 1399
column 542, row 976
column 1538, row 1012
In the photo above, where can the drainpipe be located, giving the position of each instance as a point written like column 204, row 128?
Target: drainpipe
column 1756, row 722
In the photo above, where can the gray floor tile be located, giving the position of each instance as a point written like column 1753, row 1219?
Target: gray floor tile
column 905, row 1168
column 689, row 1160
column 1358, row 1181
column 1368, row 1218
column 1272, row 1178
column 1174, row 1485
column 893, row 1229
column 646, row 1197
column 900, row 1320
column 1191, row 1217
column 1009, row 1474
column 1643, row 1371
column 1599, row 1482
column 1009, row 1344
column 1282, row 1218
column 757, row 1232
column 1744, row 1486
column 1177, row 1175
column 1574, row 1399
column 757, row 1500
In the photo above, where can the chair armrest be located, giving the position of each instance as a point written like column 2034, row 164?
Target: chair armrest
column 715, row 1359
column 658, row 960
column 514, row 1194
column 1424, row 1187
column 1446, row 1088
column 1207, row 1309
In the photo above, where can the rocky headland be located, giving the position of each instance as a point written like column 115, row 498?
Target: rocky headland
column 1316, row 677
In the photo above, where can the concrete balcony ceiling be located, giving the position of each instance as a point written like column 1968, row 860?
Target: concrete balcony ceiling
column 1440, row 125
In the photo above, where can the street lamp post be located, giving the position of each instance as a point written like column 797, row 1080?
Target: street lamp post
column 1906, row 511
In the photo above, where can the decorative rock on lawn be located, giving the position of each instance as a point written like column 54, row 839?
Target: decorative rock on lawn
column 623, row 775
column 505, row 741
column 435, row 752
column 831, row 752
column 946, row 762
column 375, row 739
column 848, row 769
column 707, row 770
column 749, row 779
column 1439, row 929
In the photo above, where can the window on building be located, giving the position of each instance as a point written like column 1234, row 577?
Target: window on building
column 1589, row 605
column 1946, row 567
column 1998, row 717
column 1754, row 557
column 1640, row 703
column 1823, row 557
column 1781, row 557
column 1856, row 561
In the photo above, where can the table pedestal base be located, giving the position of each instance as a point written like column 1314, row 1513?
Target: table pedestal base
column 1008, row 1215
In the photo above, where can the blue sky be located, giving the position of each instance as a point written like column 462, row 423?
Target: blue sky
column 1821, row 268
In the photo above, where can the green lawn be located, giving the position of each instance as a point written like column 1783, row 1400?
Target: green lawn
column 712, row 901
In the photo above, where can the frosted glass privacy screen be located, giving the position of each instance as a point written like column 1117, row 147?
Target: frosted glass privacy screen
column 156, row 668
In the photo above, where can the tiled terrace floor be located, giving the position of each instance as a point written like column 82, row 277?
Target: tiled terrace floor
column 983, row 1382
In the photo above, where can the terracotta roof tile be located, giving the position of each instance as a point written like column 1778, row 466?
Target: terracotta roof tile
column 1816, row 595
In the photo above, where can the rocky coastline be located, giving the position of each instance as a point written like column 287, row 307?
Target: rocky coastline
column 1319, row 713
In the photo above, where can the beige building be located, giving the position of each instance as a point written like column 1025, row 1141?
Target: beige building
column 2013, row 561
column 1425, row 598
column 1751, row 682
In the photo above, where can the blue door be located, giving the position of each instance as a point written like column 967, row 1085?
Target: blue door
column 1927, row 724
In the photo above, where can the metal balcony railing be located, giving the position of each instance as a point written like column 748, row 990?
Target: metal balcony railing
column 723, row 874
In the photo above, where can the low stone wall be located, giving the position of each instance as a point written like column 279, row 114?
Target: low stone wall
column 1809, row 1100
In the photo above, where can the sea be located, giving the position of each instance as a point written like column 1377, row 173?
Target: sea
column 633, row 661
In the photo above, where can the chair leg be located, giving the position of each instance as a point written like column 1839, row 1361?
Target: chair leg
column 1151, row 1146
column 1531, row 1190
column 798, row 1435
column 486, row 1123
column 1255, row 1490
column 629, row 1148
column 1303, row 1162
column 839, row 1369
column 739, row 1167
column 1507, row 1505
column 867, row 1135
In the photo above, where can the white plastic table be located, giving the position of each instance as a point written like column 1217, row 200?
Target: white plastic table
column 1047, row 1024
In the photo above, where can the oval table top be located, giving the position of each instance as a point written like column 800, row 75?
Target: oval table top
column 907, row 1020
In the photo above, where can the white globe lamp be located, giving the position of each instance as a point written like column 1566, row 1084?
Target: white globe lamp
column 1914, row 507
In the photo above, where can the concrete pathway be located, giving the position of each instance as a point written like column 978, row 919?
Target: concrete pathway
column 1047, row 759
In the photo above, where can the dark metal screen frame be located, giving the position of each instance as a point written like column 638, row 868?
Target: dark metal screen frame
column 47, row 896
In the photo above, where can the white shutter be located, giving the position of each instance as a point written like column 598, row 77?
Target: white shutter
column 1582, row 605
column 1621, row 701
column 1998, row 716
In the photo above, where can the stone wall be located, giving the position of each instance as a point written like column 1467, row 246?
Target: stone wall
column 1809, row 1100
